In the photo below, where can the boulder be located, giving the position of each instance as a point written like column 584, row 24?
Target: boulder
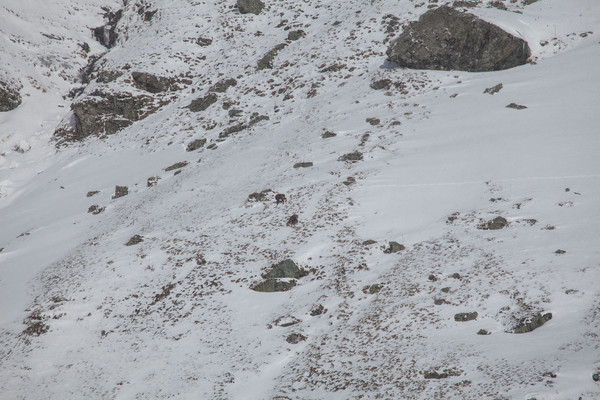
column 284, row 269
column 273, row 285
column 202, row 103
column 10, row 98
column 152, row 83
column 250, row 6
column 447, row 39
column 529, row 324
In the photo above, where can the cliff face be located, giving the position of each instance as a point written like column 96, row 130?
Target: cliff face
column 203, row 202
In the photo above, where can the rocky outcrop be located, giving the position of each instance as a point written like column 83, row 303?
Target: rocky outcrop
column 105, row 113
column 10, row 98
column 106, row 34
column 447, row 39
column 152, row 83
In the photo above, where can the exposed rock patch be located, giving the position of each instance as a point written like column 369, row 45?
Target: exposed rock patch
column 463, row 317
column 120, row 191
column 106, row 34
column 266, row 62
column 304, row 164
column 10, row 96
column 493, row 89
column 152, row 83
column 202, row 103
column 250, row 6
column 494, row 224
column 529, row 324
column 195, row 144
column 273, row 285
column 446, row 39
column 284, row 269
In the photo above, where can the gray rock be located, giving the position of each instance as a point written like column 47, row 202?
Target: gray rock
column 202, row 103
column 528, row 325
column 266, row 62
column 372, row 289
column 394, row 247
column 195, row 144
column 355, row 156
column 10, row 96
column 381, row 84
column 250, row 6
column 447, row 39
column 295, row 338
column 96, row 209
column 106, row 34
column 468, row 316
column 135, row 239
column 493, row 89
column 373, row 121
column 516, row 106
column 120, row 191
column 232, row 129
column 177, row 165
column 223, row 85
column 305, row 164
column 273, row 285
column 152, row 181
column 152, row 83
column 104, row 113
column 317, row 310
column 92, row 193
column 328, row 134
column 495, row 224
column 284, row 269
column 295, row 35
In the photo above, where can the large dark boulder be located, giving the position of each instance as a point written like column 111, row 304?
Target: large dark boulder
column 250, row 6
column 10, row 98
column 447, row 39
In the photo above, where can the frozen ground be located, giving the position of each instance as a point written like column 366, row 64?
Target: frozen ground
column 84, row 315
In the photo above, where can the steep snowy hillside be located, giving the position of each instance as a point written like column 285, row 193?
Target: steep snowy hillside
column 447, row 243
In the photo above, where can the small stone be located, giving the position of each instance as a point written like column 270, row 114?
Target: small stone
column 494, row 89
column 152, row 181
column 369, row 242
column 483, row 332
column 328, row 134
column 349, row 181
column 373, row 121
column 95, row 209
column 516, row 106
column 560, row 251
column 432, row 278
column 92, row 193
column 317, row 310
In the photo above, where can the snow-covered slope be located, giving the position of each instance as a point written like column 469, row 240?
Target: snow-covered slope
column 82, row 314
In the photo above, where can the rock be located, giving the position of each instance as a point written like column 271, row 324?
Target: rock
column 596, row 377
column 266, row 62
column 349, row 181
column 317, row 310
column 203, row 42
column 560, row 251
column 495, row 224
column 232, row 129
column 529, row 324
column 447, row 39
column 120, row 191
column 483, row 332
column 223, row 85
column 92, row 193
column 177, row 165
column 295, row 35
column 381, row 84
column 104, row 113
column 202, row 103
column 273, row 285
column 372, row 289
column 466, row 4
column 516, row 106
column 260, row 196
column 355, row 156
column 152, row 181
column 394, row 248
column 152, row 83
column 135, row 239
column 369, row 242
column 195, row 144
column 10, row 96
column 295, row 338
column 95, row 209
column 328, row 134
column 435, row 375
column 494, row 89
column 306, row 164
column 286, row 321
column 250, row 6
column 284, row 269
column 463, row 317
column 106, row 34
column 293, row 220
column 373, row 121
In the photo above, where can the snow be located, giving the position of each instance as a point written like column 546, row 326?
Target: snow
column 152, row 321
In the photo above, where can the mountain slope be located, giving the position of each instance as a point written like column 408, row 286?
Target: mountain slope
column 174, row 316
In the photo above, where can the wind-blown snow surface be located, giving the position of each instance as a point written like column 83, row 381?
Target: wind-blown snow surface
column 154, row 321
